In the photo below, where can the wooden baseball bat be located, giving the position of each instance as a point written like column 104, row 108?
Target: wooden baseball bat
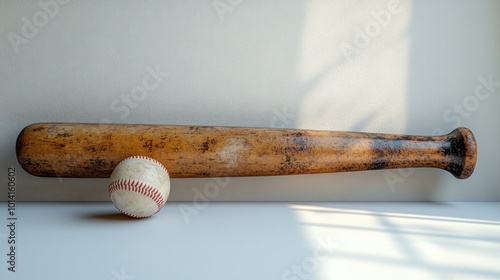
column 94, row 150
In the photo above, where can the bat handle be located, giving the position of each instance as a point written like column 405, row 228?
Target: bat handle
column 461, row 150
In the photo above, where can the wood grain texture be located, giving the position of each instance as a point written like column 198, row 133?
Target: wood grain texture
column 93, row 150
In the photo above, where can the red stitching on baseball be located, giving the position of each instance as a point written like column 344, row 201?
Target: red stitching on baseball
column 140, row 187
column 147, row 158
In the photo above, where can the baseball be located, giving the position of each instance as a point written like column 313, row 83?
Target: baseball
column 139, row 186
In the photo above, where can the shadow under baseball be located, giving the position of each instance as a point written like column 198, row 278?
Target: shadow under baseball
column 109, row 217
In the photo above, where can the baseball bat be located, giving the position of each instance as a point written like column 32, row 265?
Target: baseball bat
column 93, row 150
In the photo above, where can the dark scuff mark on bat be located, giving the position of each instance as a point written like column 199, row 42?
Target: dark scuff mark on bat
column 59, row 145
column 456, row 150
column 301, row 142
column 98, row 166
column 204, row 146
column 38, row 129
column 160, row 145
column 379, row 151
column 64, row 134
column 149, row 145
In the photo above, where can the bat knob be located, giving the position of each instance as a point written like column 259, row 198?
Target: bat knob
column 461, row 150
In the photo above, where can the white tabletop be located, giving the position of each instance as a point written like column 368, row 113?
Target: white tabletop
column 255, row 241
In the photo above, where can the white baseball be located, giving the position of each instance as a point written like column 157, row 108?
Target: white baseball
column 139, row 186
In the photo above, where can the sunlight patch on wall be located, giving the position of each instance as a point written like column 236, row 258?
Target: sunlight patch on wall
column 353, row 66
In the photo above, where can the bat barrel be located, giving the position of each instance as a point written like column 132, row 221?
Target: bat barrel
column 94, row 150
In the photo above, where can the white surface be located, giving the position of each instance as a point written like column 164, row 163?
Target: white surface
column 298, row 64
column 257, row 241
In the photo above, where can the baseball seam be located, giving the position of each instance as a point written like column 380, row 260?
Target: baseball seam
column 147, row 158
column 139, row 187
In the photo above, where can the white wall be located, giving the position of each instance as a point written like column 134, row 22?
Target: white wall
column 298, row 64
